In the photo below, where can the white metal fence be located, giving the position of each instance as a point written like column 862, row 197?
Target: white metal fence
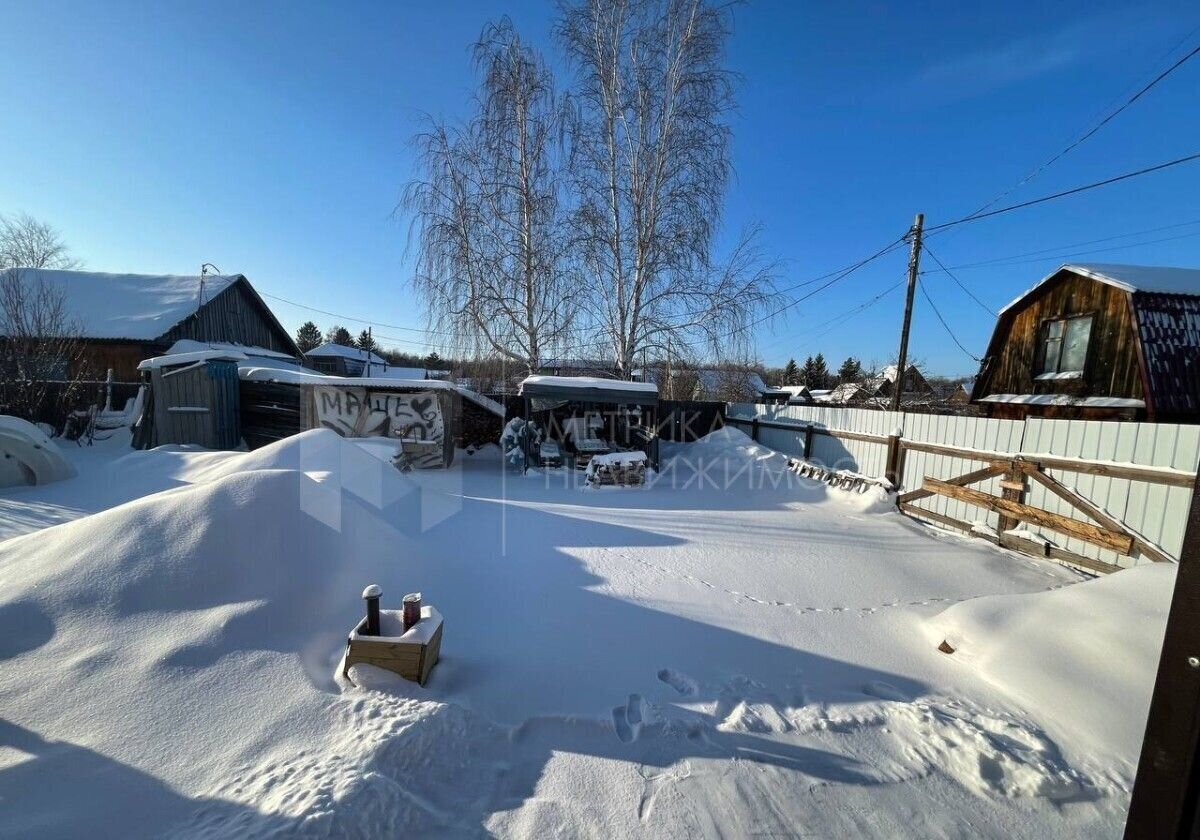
column 1155, row 510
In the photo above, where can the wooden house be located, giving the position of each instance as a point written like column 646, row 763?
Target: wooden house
column 884, row 385
column 1098, row 342
column 124, row 319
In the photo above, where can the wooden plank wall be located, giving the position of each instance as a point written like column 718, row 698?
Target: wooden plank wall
column 233, row 316
column 1112, row 364
column 214, row 389
column 1155, row 511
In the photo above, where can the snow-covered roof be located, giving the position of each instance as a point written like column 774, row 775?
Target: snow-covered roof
column 173, row 359
column 1129, row 278
column 590, row 389
column 397, row 372
column 305, row 376
column 187, row 351
column 344, row 352
column 292, row 375
column 586, row 382
column 130, row 306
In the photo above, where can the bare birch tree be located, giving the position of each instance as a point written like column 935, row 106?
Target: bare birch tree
column 651, row 142
column 27, row 242
column 41, row 354
column 488, row 211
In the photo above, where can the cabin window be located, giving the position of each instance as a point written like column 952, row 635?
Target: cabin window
column 1064, row 345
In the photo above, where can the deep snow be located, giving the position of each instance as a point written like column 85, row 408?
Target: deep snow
column 730, row 650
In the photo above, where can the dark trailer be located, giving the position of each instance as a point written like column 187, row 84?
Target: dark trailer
column 629, row 411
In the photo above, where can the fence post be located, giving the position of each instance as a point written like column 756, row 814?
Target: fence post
column 894, row 471
column 808, row 433
column 1012, row 488
column 754, row 429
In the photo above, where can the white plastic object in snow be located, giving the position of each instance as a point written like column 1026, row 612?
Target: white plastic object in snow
column 27, row 456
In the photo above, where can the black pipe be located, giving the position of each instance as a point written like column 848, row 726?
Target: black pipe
column 371, row 595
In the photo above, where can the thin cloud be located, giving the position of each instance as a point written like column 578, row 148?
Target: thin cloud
column 1032, row 56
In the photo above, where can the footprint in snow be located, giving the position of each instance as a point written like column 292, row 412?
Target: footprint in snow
column 682, row 683
column 628, row 719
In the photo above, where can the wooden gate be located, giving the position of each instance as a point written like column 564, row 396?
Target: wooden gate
column 1103, row 530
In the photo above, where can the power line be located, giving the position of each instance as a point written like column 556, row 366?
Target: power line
column 1107, row 181
column 842, row 276
column 971, row 294
column 949, row 331
column 1057, row 248
column 1004, row 263
column 837, row 321
column 1091, row 132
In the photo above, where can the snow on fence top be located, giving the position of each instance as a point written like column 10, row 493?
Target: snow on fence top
column 130, row 306
column 1129, row 278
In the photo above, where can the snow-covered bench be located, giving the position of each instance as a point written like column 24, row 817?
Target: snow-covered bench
column 627, row 469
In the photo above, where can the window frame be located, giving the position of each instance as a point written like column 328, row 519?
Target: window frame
column 1043, row 339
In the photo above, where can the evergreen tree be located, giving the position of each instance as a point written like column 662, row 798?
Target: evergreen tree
column 308, row 336
column 820, row 373
column 337, row 334
column 791, row 373
column 366, row 342
column 850, row 371
column 432, row 361
column 808, row 373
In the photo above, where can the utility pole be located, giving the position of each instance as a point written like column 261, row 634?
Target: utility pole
column 914, row 263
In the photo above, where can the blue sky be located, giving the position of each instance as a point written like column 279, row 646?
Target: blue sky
column 272, row 140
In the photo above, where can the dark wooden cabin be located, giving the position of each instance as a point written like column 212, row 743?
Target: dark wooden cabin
column 1098, row 342
column 124, row 319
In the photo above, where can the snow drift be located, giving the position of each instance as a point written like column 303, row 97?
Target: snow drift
column 1085, row 655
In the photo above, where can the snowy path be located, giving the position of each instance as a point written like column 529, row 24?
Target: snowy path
column 687, row 659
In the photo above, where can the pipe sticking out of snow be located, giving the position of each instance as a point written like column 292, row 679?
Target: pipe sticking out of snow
column 371, row 595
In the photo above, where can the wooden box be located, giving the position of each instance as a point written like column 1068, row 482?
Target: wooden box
column 412, row 655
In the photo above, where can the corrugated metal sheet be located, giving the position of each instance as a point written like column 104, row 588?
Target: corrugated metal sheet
column 1156, row 511
column 1169, row 326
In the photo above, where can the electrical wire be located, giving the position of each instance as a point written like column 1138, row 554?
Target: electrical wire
column 1092, row 131
column 842, row 276
column 1073, row 191
column 970, row 294
column 1057, row 248
column 949, row 331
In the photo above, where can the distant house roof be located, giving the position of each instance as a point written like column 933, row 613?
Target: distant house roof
column 330, row 349
column 1129, row 278
column 847, row 392
column 138, row 307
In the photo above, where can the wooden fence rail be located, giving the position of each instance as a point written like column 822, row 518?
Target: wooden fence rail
column 1016, row 473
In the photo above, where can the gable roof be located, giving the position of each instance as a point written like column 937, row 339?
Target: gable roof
column 139, row 307
column 1129, row 278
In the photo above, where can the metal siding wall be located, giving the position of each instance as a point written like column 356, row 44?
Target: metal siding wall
column 949, row 430
column 1157, row 512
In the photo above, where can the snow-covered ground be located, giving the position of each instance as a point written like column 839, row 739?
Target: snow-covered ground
column 728, row 651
